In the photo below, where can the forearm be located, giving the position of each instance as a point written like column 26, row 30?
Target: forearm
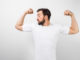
column 21, row 20
column 74, row 24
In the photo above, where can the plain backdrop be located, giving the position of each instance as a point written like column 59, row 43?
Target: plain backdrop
column 18, row 45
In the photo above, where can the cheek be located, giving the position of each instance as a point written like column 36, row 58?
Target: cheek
column 41, row 18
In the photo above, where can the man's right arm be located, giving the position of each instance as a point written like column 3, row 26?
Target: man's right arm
column 21, row 20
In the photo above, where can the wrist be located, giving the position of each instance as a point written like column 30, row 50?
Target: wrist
column 26, row 12
column 72, row 15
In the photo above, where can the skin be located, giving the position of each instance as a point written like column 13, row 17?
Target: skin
column 74, row 25
column 40, row 17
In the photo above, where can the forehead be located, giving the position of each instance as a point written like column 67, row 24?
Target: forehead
column 40, row 12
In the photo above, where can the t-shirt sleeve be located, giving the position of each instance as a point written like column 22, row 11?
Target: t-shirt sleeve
column 64, row 29
column 27, row 27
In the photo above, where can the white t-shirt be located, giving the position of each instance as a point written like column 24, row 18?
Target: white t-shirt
column 45, row 39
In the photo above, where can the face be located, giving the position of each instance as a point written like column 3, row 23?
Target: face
column 40, row 18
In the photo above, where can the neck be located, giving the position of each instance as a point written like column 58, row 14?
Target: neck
column 47, row 22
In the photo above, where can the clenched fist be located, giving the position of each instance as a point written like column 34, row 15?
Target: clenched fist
column 30, row 11
column 68, row 13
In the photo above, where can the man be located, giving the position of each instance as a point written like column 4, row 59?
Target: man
column 45, row 34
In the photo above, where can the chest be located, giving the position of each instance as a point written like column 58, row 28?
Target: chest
column 47, row 32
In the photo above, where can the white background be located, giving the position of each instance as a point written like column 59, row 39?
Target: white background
column 17, row 45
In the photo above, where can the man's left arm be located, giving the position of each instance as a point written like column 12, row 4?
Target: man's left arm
column 74, row 25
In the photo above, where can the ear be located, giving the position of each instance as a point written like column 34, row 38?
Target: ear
column 46, row 17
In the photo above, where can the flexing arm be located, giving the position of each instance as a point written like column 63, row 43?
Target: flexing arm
column 74, row 25
column 21, row 20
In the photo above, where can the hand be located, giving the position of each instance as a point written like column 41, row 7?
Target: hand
column 68, row 13
column 30, row 11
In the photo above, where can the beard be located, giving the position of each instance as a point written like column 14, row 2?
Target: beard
column 42, row 22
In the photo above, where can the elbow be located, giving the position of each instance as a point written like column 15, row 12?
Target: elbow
column 76, row 31
column 16, row 26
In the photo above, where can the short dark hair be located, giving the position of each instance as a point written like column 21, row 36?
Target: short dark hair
column 45, row 12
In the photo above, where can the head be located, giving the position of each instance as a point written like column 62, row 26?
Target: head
column 43, row 15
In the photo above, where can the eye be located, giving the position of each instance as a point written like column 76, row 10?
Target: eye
column 38, row 15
